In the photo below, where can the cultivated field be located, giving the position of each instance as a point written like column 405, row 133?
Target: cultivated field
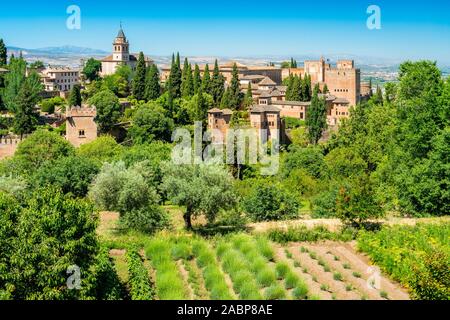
column 247, row 267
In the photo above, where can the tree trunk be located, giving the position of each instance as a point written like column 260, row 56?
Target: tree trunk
column 187, row 219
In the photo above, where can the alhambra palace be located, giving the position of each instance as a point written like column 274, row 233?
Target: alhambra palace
column 270, row 104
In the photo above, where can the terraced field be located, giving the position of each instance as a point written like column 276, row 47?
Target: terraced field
column 252, row 268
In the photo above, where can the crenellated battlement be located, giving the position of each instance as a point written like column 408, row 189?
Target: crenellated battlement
column 83, row 111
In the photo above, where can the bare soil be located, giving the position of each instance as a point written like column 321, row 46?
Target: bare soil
column 361, row 287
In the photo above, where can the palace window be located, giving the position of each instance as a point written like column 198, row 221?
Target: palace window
column 81, row 134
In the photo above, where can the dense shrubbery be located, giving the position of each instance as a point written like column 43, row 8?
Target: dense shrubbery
column 416, row 256
column 126, row 190
column 267, row 202
column 40, row 239
column 72, row 175
column 141, row 287
column 102, row 281
column 302, row 233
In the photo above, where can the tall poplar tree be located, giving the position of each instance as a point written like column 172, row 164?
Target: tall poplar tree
column 139, row 78
column 296, row 91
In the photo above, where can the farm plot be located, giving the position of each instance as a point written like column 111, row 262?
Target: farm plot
column 248, row 267
column 335, row 271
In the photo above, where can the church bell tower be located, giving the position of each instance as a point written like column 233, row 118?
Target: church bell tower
column 121, row 47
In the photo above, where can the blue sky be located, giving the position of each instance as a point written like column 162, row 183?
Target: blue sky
column 410, row 29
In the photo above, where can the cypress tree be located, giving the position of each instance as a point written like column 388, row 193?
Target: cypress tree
column 75, row 96
column 174, row 81
column 306, row 88
column 289, row 87
column 316, row 117
column 248, row 100
column 225, row 101
column 325, row 89
column 217, row 84
column 235, row 94
column 201, row 107
column 378, row 97
column 3, row 54
column 206, row 83
column 139, row 78
column 25, row 119
column 152, row 86
column 187, row 88
column 296, row 91
column 197, row 79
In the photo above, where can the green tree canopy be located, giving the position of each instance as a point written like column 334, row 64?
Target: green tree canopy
column 139, row 78
column 91, row 69
column 42, row 146
column 316, row 117
column 41, row 240
column 150, row 123
column 152, row 86
column 108, row 109
column 72, row 175
column 3, row 54
column 202, row 189
column 74, row 99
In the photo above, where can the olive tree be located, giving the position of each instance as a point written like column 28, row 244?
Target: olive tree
column 202, row 189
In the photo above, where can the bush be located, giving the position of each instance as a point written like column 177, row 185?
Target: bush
column 169, row 284
column 102, row 149
column 73, row 175
column 282, row 270
column 304, row 234
column 102, row 282
column 300, row 292
column 213, row 276
column 139, row 281
column 268, row 202
column 40, row 147
column 275, row 292
column 415, row 256
column 147, row 219
column 266, row 277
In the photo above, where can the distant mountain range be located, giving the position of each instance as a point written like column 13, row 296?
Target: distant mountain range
column 371, row 67
column 66, row 50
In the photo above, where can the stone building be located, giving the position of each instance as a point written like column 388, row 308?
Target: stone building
column 219, row 120
column 343, row 80
column 60, row 79
column 247, row 72
column 121, row 56
column 267, row 120
column 80, row 125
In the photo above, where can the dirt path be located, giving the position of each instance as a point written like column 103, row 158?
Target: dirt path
column 334, row 224
column 196, row 275
column 185, row 276
column 337, row 255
